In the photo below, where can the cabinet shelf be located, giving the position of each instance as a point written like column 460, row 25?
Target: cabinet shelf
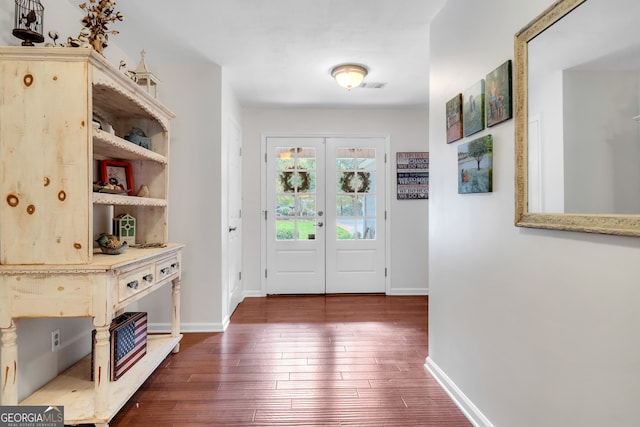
column 106, row 145
column 120, row 200
column 74, row 389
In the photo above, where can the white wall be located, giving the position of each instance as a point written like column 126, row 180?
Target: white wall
column 407, row 130
column 195, row 194
column 534, row 327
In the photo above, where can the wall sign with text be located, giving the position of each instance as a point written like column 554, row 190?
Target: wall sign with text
column 413, row 175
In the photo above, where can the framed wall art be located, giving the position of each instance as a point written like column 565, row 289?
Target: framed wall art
column 117, row 173
column 454, row 118
column 475, row 166
column 412, row 175
column 498, row 97
column 473, row 109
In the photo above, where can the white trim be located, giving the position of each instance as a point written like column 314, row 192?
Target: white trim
column 467, row 407
column 263, row 195
column 253, row 294
column 156, row 328
column 408, row 291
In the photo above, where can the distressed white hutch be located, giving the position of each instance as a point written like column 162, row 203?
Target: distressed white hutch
column 49, row 265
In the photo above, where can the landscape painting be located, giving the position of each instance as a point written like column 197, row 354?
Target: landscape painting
column 454, row 118
column 473, row 109
column 499, row 95
column 475, row 166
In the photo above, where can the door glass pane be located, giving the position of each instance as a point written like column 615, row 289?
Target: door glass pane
column 355, row 193
column 295, row 199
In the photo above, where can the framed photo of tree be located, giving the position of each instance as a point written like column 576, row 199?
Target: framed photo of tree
column 475, row 166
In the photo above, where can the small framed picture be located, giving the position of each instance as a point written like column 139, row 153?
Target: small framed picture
column 473, row 109
column 454, row 118
column 119, row 173
column 498, row 96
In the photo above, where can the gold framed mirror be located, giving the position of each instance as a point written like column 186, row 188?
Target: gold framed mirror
column 561, row 183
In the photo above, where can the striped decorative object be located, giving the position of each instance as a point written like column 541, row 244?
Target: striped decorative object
column 128, row 342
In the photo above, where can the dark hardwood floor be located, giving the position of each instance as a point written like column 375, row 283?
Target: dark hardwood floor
column 336, row 360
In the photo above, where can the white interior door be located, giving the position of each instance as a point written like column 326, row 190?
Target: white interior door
column 234, row 216
column 355, row 250
column 295, row 216
column 325, row 215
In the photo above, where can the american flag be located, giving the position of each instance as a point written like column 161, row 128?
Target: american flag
column 129, row 344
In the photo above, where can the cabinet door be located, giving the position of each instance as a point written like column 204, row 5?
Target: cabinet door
column 45, row 163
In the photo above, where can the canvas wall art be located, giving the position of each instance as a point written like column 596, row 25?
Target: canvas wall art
column 498, row 98
column 475, row 166
column 473, row 109
column 413, row 175
column 454, row 118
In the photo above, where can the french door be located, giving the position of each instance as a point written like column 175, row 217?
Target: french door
column 325, row 215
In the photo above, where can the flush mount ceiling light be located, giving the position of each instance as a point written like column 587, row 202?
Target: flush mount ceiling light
column 349, row 75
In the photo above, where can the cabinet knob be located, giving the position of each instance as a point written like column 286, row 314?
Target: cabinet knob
column 133, row 284
column 148, row 278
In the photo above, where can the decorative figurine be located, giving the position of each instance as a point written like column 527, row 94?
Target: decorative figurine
column 28, row 21
column 124, row 228
column 144, row 77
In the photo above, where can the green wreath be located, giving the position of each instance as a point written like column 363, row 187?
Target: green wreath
column 286, row 179
column 347, row 178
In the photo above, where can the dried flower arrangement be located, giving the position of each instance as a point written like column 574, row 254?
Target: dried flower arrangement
column 99, row 15
column 95, row 31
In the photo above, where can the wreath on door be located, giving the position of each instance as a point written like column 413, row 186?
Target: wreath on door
column 347, row 182
column 288, row 181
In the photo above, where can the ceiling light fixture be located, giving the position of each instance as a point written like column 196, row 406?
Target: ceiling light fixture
column 349, row 75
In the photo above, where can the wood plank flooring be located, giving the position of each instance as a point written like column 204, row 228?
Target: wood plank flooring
column 335, row 360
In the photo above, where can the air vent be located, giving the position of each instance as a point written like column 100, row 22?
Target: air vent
column 372, row 85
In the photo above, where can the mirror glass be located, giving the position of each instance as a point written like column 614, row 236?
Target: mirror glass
column 577, row 108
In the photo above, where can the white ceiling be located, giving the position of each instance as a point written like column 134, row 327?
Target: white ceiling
column 280, row 52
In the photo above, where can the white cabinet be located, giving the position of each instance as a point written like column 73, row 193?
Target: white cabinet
column 50, row 154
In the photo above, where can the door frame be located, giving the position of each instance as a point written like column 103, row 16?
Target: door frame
column 263, row 194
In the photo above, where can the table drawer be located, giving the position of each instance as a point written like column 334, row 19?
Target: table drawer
column 134, row 281
column 167, row 267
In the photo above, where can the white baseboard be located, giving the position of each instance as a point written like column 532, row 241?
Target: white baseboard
column 408, row 291
column 163, row 328
column 467, row 407
column 253, row 294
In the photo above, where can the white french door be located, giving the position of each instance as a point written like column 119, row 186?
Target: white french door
column 325, row 215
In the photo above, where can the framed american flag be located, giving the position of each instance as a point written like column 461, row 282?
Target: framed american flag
column 128, row 342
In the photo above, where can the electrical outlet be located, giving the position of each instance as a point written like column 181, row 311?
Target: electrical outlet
column 55, row 340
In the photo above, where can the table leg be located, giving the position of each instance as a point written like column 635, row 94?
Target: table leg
column 102, row 357
column 175, row 318
column 9, row 361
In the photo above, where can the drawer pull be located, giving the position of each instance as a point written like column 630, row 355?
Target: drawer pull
column 175, row 265
column 148, row 278
column 164, row 271
column 133, row 284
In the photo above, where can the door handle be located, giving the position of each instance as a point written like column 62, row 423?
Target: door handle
column 232, row 229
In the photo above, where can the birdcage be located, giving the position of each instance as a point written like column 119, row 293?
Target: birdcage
column 28, row 21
